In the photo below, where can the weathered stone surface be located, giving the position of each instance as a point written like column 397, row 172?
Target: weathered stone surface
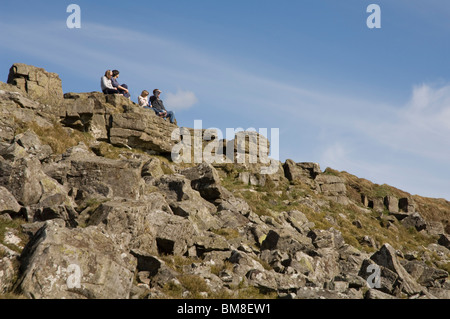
column 301, row 172
column 186, row 202
column 387, row 258
column 286, row 242
column 32, row 145
column 40, row 85
column 149, row 226
column 391, row 203
column 378, row 205
column 8, row 203
column 8, row 269
column 434, row 228
column 414, row 220
column 406, row 205
column 424, row 274
column 22, row 178
column 142, row 130
column 153, row 270
column 205, row 179
column 333, row 187
column 57, row 257
column 101, row 176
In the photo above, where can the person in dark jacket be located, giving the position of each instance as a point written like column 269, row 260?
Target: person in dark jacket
column 158, row 106
column 122, row 88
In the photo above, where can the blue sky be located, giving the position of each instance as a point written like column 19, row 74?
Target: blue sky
column 372, row 102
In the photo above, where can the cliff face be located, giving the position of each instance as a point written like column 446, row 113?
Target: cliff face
column 93, row 207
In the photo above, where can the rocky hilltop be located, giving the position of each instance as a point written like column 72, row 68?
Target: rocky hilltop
column 92, row 206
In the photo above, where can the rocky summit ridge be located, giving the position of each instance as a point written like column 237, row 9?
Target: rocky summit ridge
column 92, row 206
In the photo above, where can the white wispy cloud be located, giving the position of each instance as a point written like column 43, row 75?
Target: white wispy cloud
column 421, row 127
column 180, row 100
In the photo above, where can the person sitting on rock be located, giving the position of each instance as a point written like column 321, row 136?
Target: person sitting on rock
column 122, row 88
column 106, row 84
column 158, row 106
column 143, row 100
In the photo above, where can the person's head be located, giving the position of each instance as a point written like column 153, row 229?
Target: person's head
column 108, row 74
column 156, row 92
column 145, row 93
column 115, row 73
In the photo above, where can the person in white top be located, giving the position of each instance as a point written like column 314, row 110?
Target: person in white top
column 106, row 85
column 143, row 99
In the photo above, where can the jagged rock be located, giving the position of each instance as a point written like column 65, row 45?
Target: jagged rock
column 424, row 274
column 333, row 187
column 434, row 228
column 205, row 179
column 414, row 220
column 142, row 130
column 22, row 178
column 17, row 110
column 153, row 270
column 8, row 270
column 350, row 260
column 302, row 263
column 75, row 263
column 326, row 238
column 187, row 202
column 301, row 172
column 8, row 203
column 32, row 145
column 235, row 204
column 321, row 238
column 387, row 281
column 286, row 242
column 232, row 220
column 298, row 221
column 149, row 226
column 39, row 84
column 102, row 176
column 387, row 258
column 152, row 169
column 326, row 265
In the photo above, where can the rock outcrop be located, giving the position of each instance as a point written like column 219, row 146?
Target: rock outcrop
column 92, row 206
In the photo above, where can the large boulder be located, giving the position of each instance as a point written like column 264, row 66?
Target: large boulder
column 205, row 179
column 22, row 178
column 40, row 85
column 386, row 257
column 301, row 172
column 148, row 226
column 8, row 203
column 186, row 202
column 415, row 220
column 75, row 263
column 100, row 176
column 141, row 129
column 333, row 187
column 424, row 274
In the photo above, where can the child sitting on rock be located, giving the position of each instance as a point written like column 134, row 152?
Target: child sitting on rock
column 143, row 100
